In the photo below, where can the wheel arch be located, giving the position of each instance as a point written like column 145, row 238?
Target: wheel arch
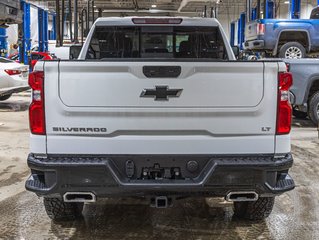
column 282, row 33
column 312, row 88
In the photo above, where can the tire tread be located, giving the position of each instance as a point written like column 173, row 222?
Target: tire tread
column 257, row 210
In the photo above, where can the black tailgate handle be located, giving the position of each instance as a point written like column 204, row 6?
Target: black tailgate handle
column 162, row 71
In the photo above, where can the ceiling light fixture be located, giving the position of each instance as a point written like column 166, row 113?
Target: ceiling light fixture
column 154, row 6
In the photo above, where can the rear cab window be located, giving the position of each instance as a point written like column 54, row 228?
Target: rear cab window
column 156, row 42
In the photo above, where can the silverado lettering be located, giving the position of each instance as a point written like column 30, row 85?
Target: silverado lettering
column 86, row 130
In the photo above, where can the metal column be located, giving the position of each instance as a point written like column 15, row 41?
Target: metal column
column 269, row 7
column 295, row 7
column 248, row 10
column 258, row 9
column 88, row 16
column 63, row 22
column 58, row 24
column 241, row 30
column 254, row 14
column 70, row 19
column 53, row 31
column 45, row 31
column 25, row 46
column 3, row 42
column 232, row 34
column 93, row 14
column 76, row 22
column 41, row 29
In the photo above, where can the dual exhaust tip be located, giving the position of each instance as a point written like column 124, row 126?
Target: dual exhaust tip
column 159, row 202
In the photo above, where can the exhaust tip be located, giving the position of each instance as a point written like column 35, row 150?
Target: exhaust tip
column 85, row 197
column 242, row 197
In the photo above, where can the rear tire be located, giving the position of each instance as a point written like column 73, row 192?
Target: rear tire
column 5, row 97
column 313, row 110
column 257, row 210
column 292, row 50
column 300, row 115
column 58, row 210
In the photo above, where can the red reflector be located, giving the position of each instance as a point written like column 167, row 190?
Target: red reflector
column 12, row 72
column 157, row 20
column 36, row 109
column 284, row 112
column 36, row 117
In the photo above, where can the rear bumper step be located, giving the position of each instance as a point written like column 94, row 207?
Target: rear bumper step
column 106, row 176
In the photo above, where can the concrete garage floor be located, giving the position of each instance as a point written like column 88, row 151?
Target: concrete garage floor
column 22, row 215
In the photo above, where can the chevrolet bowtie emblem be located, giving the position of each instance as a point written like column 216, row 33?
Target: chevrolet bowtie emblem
column 161, row 93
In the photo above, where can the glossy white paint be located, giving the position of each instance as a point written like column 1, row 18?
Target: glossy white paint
column 225, row 108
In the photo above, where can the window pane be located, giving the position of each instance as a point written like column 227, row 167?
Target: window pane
column 157, row 42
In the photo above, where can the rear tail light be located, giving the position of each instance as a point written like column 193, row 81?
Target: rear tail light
column 157, row 20
column 12, row 72
column 260, row 29
column 284, row 112
column 36, row 110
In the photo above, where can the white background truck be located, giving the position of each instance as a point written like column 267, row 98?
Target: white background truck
column 159, row 108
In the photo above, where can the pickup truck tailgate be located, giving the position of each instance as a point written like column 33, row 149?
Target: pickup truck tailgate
column 220, row 107
column 120, row 84
column 251, row 31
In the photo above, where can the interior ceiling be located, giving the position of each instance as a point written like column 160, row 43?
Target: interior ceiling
column 166, row 7
column 163, row 7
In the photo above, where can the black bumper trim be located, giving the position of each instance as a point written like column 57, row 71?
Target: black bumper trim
column 100, row 175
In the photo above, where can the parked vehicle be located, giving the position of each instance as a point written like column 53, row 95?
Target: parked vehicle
column 13, row 78
column 35, row 57
column 284, row 38
column 305, row 90
column 159, row 108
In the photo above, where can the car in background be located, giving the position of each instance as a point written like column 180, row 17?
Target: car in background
column 284, row 38
column 305, row 89
column 35, row 57
column 13, row 78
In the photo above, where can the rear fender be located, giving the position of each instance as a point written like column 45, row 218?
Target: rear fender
column 275, row 52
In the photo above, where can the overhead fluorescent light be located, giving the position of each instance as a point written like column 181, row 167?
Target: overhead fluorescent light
column 154, row 6
column 286, row 2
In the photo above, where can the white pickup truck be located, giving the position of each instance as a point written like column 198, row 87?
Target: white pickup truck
column 159, row 108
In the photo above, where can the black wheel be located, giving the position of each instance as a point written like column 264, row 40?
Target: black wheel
column 5, row 97
column 292, row 50
column 58, row 210
column 313, row 110
column 257, row 210
column 299, row 114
